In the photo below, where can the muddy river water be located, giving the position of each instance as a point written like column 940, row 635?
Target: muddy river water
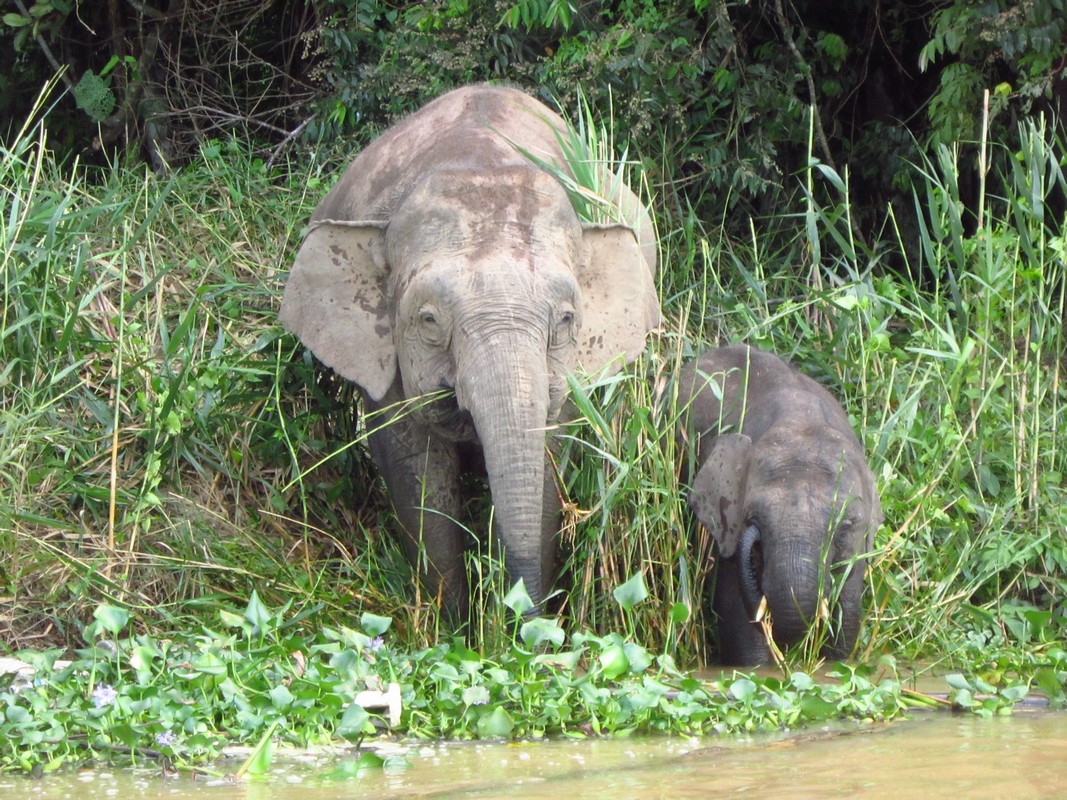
column 931, row 755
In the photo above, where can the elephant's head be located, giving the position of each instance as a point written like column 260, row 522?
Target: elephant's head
column 484, row 284
column 796, row 508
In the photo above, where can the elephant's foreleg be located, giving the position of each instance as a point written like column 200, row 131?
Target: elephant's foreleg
column 551, row 521
column 846, row 624
column 741, row 641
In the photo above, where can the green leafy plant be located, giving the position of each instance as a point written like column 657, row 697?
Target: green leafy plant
column 253, row 680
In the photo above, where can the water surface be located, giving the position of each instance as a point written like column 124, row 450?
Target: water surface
column 933, row 755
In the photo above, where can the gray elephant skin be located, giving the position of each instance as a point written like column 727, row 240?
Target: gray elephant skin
column 784, row 488
column 447, row 265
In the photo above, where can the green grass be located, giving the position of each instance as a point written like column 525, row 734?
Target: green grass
column 167, row 449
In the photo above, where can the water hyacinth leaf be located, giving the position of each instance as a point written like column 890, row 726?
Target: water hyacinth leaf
column 44, row 661
column 640, row 699
column 568, row 660
column 743, row 689
column 257, row 613
column 126, row 734
column 637, row 657
column 540, row 630
column 18, row 716
column 369, row 761
column 350, row 768
column 632, row 592
column 142, row 657
column 613, row 661
column 469, row 659
column 281, row 697
column 355, row 722
column 346, row 769
column 375, row 625
column 499, row 677
column 1049, row 682
column 111, row 618
column 964, row 698
column 475, row 695
column 691, row 684
column 958, row 681
column 518, row 599
column 231, row 620
column 1016, row 693
column 259, row 761
column 817, row 708
column 497, row 724
column 209, row 664
column 443, row 671
column 347, row 663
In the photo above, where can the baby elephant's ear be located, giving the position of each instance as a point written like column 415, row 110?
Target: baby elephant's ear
column 336, row 302
column 715, row 496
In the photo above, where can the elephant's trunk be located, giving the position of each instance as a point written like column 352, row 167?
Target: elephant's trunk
column 503, row 383
column 793, row 580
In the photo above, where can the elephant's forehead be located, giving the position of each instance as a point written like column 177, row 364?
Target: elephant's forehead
column 516, row 208
column 814, row 451
column 457, row 281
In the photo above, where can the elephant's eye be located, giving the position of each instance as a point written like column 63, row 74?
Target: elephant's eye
column 565, row 329
column 431, row 326
column 847, row 525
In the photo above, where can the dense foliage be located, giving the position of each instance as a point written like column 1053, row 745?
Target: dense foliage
column 720, row 99
column 167, row 452
column 257, row 677
column 165, row 444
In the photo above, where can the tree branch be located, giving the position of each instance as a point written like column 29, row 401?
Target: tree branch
column 59, row 68
column 805, row 68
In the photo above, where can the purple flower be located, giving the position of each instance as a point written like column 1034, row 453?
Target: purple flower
column 103, row 695
column 375, row 644
column 166, row 738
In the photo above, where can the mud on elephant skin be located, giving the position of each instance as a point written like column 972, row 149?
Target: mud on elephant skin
column 784, row 488
column 446, row 263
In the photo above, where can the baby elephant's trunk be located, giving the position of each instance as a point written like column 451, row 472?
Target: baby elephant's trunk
column 792, row 577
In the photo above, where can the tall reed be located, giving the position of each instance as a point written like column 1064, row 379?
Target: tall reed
column 165, row 446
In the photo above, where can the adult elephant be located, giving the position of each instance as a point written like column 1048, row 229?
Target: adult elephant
column 784, row 488
column 449, row 265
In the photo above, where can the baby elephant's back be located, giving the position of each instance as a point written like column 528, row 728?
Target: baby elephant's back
column 743, row 389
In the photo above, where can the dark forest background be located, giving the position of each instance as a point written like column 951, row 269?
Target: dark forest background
column 728, row 99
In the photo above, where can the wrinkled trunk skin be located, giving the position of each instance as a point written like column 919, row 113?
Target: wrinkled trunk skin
column 503, row 383
column 786, row 572
column 790, row 581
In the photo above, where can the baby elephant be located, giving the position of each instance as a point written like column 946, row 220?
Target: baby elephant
column 783, row 486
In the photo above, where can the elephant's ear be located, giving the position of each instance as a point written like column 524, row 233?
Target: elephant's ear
column 619, row 301
column 336, row 302
column 715, row 496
